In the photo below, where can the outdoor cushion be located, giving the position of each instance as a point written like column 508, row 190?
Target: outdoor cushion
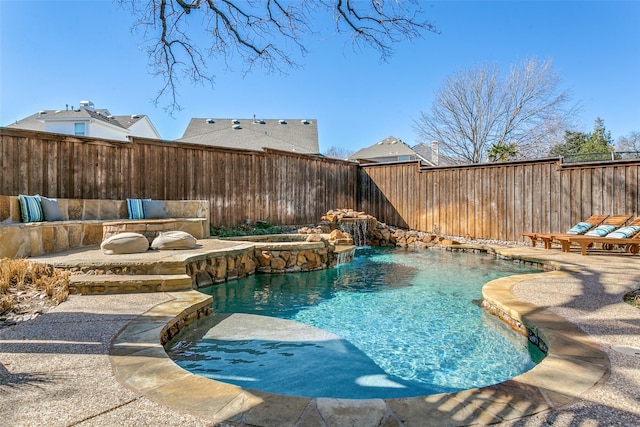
column 50, row 209
column 174, row 240
column 601, row 230
column 124, row 243
column 580, row 228
column 30, row 208
column 135, row 208
column 154, row 209
column 624, row 232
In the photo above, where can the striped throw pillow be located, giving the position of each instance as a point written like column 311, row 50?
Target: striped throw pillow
column 135, row 208
column 30, row 208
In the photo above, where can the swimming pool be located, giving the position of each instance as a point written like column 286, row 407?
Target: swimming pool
column 393, row 323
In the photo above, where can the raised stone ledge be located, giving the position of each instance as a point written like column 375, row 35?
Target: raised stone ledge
column 82, row 224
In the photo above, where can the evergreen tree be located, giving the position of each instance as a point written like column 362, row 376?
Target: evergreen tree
column 585, row 147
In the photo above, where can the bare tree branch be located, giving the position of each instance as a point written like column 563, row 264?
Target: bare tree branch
column 629, row 142
column 478, row 108
column 260, row 32
column 338, row 152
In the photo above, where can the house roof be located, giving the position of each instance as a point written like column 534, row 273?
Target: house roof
column 388, row 147
column 427, row 153
column 300, row 136
column 37, row 121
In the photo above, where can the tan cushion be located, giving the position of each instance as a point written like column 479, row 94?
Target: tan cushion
column 124, row 243
column 174, row 240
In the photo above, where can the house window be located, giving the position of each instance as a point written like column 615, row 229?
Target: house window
column 404, row 158
column 78, row 129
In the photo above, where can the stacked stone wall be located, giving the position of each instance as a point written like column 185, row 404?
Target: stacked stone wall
column 269, row 258
column 377, row 233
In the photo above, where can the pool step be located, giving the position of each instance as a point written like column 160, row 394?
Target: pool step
column 100, row 284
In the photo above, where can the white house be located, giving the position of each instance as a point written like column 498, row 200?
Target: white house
column 390, row 149
column 89, row 121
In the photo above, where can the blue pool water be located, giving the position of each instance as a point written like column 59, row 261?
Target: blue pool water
column 393, row 323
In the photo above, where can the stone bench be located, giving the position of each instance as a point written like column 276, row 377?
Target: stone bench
column 86, row 222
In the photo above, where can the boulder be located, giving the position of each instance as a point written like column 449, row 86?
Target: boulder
column 125, row 243
column 169, row 240
column 449, row 242
column 278, row 263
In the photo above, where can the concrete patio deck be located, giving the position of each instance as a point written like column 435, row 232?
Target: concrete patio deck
column 96, row 360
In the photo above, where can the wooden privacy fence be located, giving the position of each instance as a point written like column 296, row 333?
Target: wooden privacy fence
column 500, row 200
column 495, row 201
column 278, row 187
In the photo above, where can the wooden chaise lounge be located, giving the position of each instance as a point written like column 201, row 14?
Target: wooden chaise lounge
column 548, row 238
column 631, row 244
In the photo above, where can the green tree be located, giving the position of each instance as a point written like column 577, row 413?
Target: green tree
column 502, row 152
column 599, row 141
column 573, row 141
column 583, row 147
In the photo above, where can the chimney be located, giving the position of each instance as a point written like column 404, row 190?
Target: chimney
column 435, row 152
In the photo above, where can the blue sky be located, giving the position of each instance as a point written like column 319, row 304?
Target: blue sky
column 54, row 53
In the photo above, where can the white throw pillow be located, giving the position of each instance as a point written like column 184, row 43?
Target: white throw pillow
column 174, row 240
column 124, row 243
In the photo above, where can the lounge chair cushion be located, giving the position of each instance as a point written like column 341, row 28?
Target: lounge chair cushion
column 624, row 232
column 50, row 209
column 154, row 209
column 30, row 208
column 173, row 240
column 601, row 231
column 124, row 243
column 580, row 228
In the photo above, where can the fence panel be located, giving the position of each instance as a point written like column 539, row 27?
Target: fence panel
column 499, row 201
column 240, row 185
column 495, row 201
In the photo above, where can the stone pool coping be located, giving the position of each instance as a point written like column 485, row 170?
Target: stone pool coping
column 574, row 364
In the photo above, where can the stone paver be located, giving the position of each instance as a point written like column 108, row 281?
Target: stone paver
column 57, row 370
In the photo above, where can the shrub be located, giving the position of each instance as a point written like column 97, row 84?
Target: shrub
column 18, row 277
column 633, row 298
column 259, row 228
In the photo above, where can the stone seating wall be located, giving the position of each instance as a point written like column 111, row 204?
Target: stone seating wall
column 84, row 222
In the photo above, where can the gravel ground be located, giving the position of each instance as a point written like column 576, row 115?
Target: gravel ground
column 593, row 300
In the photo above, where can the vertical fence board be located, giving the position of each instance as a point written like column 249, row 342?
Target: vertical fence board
column 631, row 189
column 619, row 184
column 471, row 203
